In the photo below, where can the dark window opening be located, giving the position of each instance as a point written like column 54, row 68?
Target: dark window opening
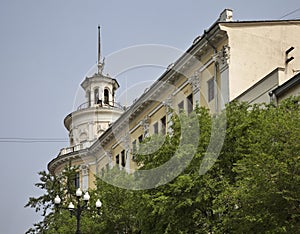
column 106, row 96
column 117, row 159
column 163, row 125
column 123, row 162
column 77, row 180
column 140, row 139
column 190, row 103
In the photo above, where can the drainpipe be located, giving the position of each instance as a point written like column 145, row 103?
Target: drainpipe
column 215, row 71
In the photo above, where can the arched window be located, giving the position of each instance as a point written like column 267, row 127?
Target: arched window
column 96, row 96
column 106, row 96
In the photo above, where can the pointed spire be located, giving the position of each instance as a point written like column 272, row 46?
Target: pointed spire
column 99, row 44
column 100, row 63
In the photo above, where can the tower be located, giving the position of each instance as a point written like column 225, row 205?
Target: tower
column 92, row 118
column 98, row 111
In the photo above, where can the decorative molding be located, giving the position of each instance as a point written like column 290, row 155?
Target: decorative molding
column 168, row 102
column 84, row 170
column 223, row 57
column 145, row 123
column 195, row 81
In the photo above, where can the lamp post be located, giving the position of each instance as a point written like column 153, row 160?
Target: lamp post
column 79, row 207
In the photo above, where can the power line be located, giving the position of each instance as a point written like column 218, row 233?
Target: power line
column 31, row 140
column 292, row 12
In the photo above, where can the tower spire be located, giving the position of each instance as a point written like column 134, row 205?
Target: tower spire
column 100, row 63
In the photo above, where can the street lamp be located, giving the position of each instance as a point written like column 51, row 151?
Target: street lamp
column 79, row 208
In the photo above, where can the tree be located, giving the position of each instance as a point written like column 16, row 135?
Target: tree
column 253, row 186
column 54, row 220
column 264, row 196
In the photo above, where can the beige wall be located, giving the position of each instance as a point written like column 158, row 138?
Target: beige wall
column 259, row 92
column 256, row 49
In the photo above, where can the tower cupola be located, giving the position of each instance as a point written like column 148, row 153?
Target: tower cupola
column 99, row 109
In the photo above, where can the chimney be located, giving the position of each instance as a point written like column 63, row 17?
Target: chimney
column 226, row 16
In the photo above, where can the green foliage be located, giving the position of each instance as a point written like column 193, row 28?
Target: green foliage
column 253, row 187
column 55, row 221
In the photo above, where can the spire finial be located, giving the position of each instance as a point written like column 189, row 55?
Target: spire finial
column 100, row 63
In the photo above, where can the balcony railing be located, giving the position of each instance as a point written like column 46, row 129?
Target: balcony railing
column 110, row 104
column 75, row 148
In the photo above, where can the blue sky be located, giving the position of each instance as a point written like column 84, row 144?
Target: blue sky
column 47, row 47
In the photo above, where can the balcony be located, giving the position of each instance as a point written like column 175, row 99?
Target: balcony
column 75, row 148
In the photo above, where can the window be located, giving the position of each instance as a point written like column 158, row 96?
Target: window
column 77, row 180
column 211, row 89
column 190, row 103
column 96, row 96
column 118, row 159
column 155, row 128
column 107, row 167
column 106, row 96
column 140, row 139
column 123, row 158
column 181, row 106
column 163, row 125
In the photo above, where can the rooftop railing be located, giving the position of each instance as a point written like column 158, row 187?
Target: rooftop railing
column 80, row 146
column 101, row 104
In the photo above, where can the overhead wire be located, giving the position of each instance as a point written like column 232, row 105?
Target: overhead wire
column 31, row 140
column 290, row 13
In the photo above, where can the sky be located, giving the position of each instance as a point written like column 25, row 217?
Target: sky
column 46, row 50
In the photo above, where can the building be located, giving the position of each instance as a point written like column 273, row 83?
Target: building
column 221, row 65
column 268, row 89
